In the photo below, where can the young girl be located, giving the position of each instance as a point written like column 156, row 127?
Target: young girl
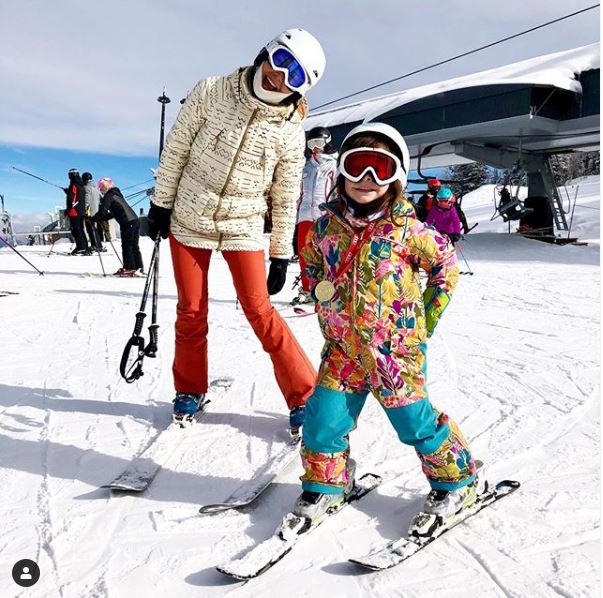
column 443, row 218
column 363, row 261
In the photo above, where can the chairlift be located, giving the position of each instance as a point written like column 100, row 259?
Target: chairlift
column 510, row 208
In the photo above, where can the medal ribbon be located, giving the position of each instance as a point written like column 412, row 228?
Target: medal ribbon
column 358, row 240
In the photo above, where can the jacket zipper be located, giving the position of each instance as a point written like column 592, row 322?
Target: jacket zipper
column 230, row 171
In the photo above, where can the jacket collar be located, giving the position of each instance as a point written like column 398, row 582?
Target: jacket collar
column 322, row 158
column 402, row 209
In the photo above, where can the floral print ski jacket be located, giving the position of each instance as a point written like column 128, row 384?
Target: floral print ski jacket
column 379, row 313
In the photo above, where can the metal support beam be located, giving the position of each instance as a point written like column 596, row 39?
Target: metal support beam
column 541, row 182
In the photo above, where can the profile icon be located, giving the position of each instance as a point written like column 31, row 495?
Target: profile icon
column 26, row 573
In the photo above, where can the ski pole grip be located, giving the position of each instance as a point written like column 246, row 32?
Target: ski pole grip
column 140, row 316
column 151, row 348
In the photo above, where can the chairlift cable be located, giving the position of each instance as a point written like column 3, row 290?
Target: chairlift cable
column 441, row 62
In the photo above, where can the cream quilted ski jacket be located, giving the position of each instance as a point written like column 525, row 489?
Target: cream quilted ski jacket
column 225, row 155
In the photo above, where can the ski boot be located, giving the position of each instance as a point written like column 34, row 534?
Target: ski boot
column 441, row 507
column 303, row 298
column 186, row 406
column 316, row 506
column 296, row 420
column 124, row 273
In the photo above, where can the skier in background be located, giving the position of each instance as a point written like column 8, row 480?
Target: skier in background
column 237, row 140
column 461, row 215
column 362, row 259
column 75, row 209
column 318, row 178
column 114, row 205
column 426, row 200
column 443, row 217
column 92, row 201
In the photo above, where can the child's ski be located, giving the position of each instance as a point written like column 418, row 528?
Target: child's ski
column 250, row 490
column 428, row 528
column 262, row 556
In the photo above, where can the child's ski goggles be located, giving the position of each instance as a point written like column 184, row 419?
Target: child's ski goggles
column 384, row 166
column 282, row 59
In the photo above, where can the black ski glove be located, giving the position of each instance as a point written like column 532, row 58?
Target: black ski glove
column 277, row 275
column 159, row 221
column 454, row 237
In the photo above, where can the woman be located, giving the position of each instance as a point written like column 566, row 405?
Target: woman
column 237, row 140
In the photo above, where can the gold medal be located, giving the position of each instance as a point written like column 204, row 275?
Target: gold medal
column 324, row 290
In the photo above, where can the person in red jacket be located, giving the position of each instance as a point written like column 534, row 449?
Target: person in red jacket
column 75, row 210
column 427, row 200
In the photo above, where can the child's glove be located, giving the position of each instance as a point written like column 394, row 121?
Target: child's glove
column 435, row 300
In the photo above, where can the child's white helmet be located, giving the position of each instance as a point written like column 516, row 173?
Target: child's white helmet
column 392, row 135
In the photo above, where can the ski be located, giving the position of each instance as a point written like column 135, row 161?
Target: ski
column 300, row 311
column 429, row 528
column 250, row 490
column 261, row 557
column 141, row 471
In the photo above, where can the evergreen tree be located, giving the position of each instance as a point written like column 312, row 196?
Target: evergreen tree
column 472, row 176
column 573, row 165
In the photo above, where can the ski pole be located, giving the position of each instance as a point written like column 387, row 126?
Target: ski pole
column 115, row 251
column 101, row 261
column 37, row 177
column 21, row 256
column 469, row 270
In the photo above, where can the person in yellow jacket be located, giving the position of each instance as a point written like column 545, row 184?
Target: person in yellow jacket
column 237, row 140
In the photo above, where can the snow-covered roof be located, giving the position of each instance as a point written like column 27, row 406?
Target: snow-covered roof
column 560, row 69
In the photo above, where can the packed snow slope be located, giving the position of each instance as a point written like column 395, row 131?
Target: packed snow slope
column 516, row 361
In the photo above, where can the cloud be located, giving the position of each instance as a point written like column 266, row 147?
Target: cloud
column 26, row 222
column 85, row 76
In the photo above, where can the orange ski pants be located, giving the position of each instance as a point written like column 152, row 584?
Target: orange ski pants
column 295, row 375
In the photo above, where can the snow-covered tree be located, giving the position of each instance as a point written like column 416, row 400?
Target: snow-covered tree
column 472, row 175
column 573, row 165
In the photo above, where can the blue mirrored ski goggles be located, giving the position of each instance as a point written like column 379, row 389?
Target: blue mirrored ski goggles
column 282, row 59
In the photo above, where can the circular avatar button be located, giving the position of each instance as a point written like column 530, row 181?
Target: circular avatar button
column 26, row 573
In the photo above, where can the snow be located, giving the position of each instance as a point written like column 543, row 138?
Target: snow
column 558, row 70
column 516, row 361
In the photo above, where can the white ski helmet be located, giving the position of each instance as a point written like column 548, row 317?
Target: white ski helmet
column 392, row 135
column 308, row 52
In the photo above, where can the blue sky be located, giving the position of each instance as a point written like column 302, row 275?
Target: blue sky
column 26, row 195
column 80, row 83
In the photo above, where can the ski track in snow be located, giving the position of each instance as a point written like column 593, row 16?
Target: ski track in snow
column 515, row 361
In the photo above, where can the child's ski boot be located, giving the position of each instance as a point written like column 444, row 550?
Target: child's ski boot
column 316, row 506
column 442, row 507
